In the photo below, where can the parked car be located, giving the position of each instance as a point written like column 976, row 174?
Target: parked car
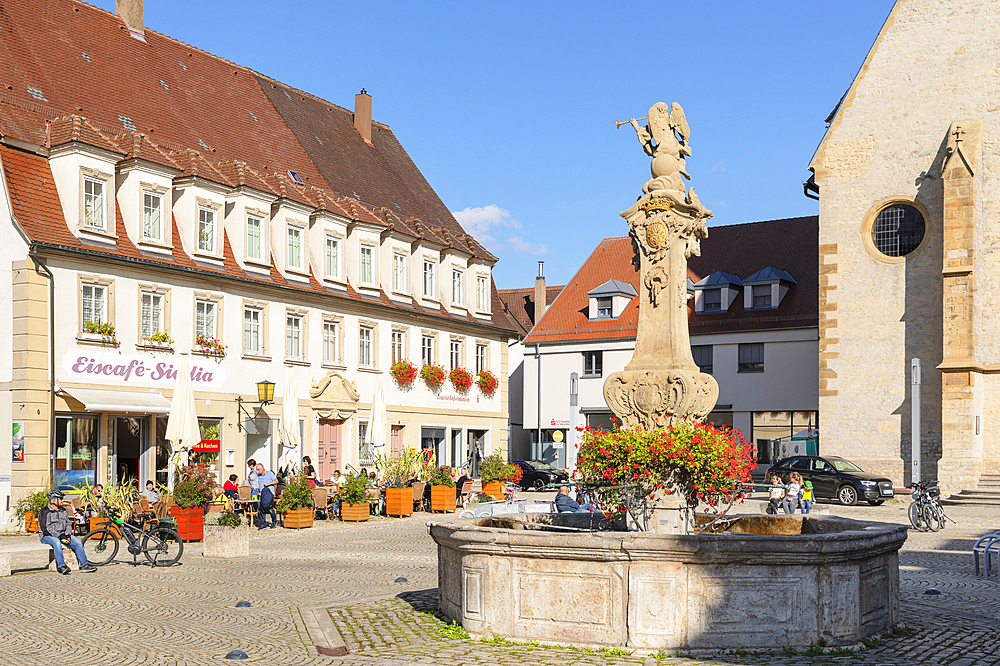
column 835, row 478
column 537, row 475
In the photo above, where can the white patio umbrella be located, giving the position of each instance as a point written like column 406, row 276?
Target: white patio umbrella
column 182, row 426
column 375, row 437
column 288, row 427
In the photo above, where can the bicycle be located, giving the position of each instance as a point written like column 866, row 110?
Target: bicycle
column 926, row 512
column 161, row 545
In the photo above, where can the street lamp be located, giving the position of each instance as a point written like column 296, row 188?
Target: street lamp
column 265, row 396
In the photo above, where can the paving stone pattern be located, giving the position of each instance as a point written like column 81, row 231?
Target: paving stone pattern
column 186, row 614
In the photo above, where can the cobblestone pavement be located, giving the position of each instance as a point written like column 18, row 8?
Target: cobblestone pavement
column 186, row 614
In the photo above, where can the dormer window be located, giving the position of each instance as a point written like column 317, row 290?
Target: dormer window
column 457, row 288
column 332, row 260
column 152, row 216
column 254, row 226
column 428, row 279
column 766, row 288
column 716, row 292
column 93, row 204
column 206, row 229
column 294, row 248
column 610, row 299
column 367, row 274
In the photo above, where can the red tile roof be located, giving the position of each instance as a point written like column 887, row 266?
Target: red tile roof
column 520, row 304
column 742, row 249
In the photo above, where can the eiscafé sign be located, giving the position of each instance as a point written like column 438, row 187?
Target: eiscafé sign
column 134, row 370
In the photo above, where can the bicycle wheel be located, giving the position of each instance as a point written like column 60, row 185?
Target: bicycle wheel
column 162, row 546
column 939, row 515
column 101, row 546
column 917, row 517
column 930, row 518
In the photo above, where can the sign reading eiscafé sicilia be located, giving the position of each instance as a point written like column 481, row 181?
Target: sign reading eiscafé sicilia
column 133, row 370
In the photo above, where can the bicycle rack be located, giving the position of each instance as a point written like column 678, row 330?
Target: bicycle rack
column 991, row 540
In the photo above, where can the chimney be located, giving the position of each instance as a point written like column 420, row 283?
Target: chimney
column 131, row 13
column 363, row 115
column 539, row 293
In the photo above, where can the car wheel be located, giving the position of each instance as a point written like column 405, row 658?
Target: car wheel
column 847, row 495
column 539, row 485
column 876, row 502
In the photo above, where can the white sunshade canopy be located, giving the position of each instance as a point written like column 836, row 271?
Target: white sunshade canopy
column 129, row 402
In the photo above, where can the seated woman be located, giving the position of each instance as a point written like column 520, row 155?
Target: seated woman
column 231, row 488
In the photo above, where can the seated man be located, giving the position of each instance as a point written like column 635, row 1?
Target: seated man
column 565, row 504
column 55, row 528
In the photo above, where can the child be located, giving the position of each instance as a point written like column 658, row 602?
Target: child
column 791, row 501
column 807, row 496
column 775, row 494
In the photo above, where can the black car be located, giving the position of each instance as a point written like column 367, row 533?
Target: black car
column 835, row 478
column 537, row 475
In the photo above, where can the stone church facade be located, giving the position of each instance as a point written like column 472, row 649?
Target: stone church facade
column 910, row 247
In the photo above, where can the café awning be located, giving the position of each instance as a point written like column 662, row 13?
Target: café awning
column 129, row 402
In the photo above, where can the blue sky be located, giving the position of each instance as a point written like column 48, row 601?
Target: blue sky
column 508, row 108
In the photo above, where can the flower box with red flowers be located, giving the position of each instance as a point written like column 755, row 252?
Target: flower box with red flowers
column 433, row 375
column 487, row 383
column 461, row 379
column 210, row 346
column 403, row 372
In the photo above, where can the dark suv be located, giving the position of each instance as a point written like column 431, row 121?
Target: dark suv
column 835, row 478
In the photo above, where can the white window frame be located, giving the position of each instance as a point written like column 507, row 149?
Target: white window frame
column 399, row 273
column 331, row 261
column 293, row 247
column 482, row 293
column 155, row 317
column 455, row 354
column 293, row 336
column 251, row 240
column 428, row 279
column 252, row 330
column 330, row 342
column 102, row 316
column 427, row 350
column 365, row 334
column 101, row 199
column 481, row 351
column 147, row 197
column 366, row 269
column 206, row 242
column 201, row 319
column 457, row 287
column 398, row 345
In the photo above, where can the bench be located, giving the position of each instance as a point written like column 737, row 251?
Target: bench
column 7, row 550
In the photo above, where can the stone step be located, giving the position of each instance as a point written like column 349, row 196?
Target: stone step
column 974, row 497
column 954, row 501
column 980, row 492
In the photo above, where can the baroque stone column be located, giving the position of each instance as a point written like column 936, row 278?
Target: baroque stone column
column 662, row 383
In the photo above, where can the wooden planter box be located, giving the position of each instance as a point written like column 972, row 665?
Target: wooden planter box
column 296, row 519
column 97, row 523
column 357, row 513
column 399, row 501
column 190, row 522
column 30, row 522
column 226, row 541
column 442, row 498
column 495, row 489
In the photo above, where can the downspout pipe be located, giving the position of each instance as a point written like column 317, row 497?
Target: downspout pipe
column 33, row 253
column 538, row 414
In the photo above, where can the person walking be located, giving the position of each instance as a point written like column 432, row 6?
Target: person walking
column 55, row 528
column 268, row 484
column 791, row 501
column 252, row 479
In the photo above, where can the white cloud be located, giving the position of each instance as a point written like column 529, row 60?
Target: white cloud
column 490, row 225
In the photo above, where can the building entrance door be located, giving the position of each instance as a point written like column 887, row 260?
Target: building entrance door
column 476, row 452
column 328, row 448
column 128, row 443
column 396, row 440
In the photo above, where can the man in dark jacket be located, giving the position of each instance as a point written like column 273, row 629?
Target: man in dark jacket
column 56, row 529
column 566, row 504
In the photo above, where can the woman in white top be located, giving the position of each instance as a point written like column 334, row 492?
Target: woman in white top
column 791, row 501
column 252, row 478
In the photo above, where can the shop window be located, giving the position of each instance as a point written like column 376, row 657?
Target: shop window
column 75, row 452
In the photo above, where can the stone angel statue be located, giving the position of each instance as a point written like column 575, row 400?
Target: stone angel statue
column 664, row 138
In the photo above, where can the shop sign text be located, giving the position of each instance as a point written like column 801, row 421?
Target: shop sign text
column 134, row 370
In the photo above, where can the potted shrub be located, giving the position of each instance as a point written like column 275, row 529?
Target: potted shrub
column 442, row 490
column 295, row 504
column 494, row 471
column 403, row 372
column 226, row 536
column 192, row 493
column 118, row 496
column 27, row 509
column 487, row 383
column 433, row 376
column 461, row 379
column 397, row 471
column 354, row 506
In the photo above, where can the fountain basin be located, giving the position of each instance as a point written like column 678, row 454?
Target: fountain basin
column 820, row 579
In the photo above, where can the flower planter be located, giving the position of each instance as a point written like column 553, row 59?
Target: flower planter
column 221, row 541
column 296, row 519
column 97, row 523
column 30, row 522
column 356, row 513
column 190, row 522
column 443, row 498
column 495, row 489
column 399, row 501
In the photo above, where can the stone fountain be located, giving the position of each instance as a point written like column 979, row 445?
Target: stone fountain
column 743, row 582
